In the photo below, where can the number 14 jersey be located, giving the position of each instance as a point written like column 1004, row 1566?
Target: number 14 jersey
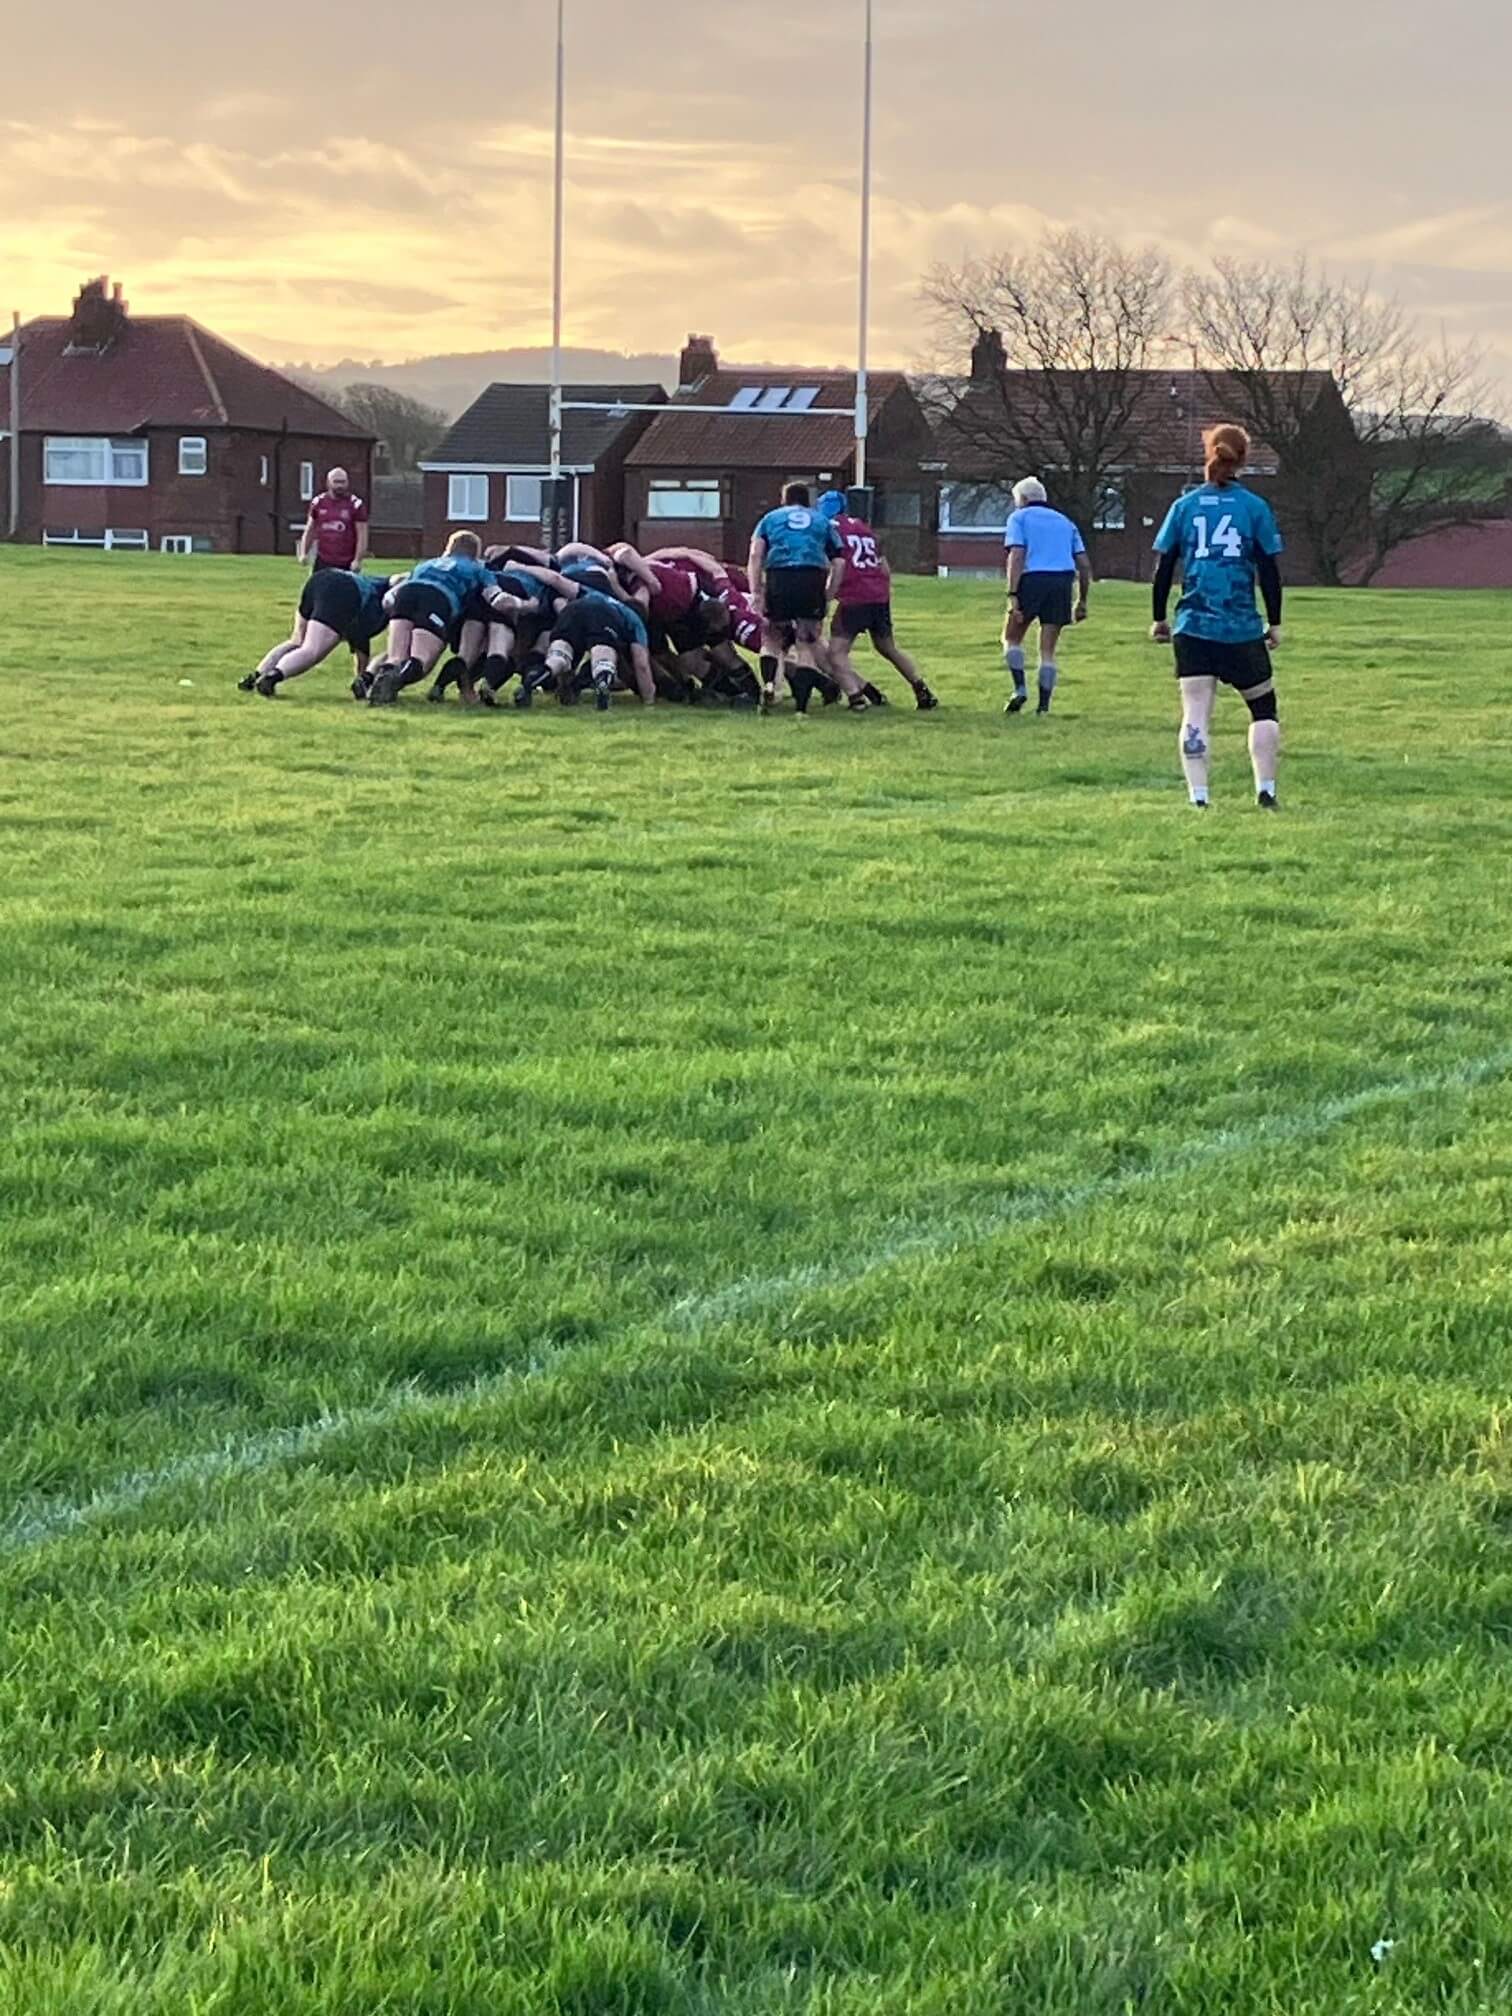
column 1219, row 532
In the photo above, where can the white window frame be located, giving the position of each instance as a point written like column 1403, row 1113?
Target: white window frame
column 663, row 489
column 307, row 482
column 192, row 449
column 105, row 451
column 462, row 493
column 1112, row 513
column 514, row 514
column 265, row 470
column 176, row 542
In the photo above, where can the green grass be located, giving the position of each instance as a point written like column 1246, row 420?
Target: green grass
column 1007, row 1503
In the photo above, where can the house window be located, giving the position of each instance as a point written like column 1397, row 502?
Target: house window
column 1111, row 514
column 975, row 507
column 74, row 536
column 306, row 481
column 467, row 498
column 194, row 455
column 263, row 471
column 697, row 498
column 176, row 543
column 522, row 501
column 79, row 461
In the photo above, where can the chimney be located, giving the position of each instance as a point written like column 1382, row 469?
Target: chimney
column 699, row 360
column 989, row 360
column 99, row 316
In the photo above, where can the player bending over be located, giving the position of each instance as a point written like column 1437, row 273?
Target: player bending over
column 864, row 608
column 797, row 565
column 599, row 628
column 1225, row 541
column 1047, row 560
column 334, row 609
column 426, row 607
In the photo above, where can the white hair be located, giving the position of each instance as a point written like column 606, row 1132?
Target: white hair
column 1030, row 491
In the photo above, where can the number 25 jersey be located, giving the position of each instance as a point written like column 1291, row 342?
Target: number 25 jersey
column 1220, row 532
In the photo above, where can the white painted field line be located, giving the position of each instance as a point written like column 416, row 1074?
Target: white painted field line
column 35, row 1525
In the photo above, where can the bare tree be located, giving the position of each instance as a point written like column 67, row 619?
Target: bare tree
column 405, row 427
column 1380, row 433
column 1040, row 362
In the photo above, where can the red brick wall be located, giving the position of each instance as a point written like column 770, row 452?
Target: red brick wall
column 229, row 505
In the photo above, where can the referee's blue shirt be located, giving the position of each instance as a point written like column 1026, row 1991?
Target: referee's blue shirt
column 1051, row 543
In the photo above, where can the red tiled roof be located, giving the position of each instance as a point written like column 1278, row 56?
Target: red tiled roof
column 1171, row 409
column 161, row 371
column 699, row 430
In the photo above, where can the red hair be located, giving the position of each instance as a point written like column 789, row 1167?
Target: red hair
column 1227, row 449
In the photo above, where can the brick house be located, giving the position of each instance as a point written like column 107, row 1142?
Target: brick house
column 486, row 475
column 1170, row 411
column 150, row 432
column 703, row 474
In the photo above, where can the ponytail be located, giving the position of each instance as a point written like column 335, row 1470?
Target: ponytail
column 1227, row 449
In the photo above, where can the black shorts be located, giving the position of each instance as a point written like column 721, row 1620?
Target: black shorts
column 1047, row 598
column 865, row 619
column 332, row 597
column 585, row 629
column 1242, row 666
column 426, row 607
column 797, row 595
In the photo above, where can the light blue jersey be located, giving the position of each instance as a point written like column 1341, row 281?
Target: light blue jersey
column 1051, row 542
column 1220, row 532
column 456, row 577
column 799, row 537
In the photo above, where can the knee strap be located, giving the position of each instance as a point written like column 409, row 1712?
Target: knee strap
column 1261, row 702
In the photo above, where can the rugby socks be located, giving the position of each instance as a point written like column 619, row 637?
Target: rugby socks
column 769, row 667
column 1017, row 665
column 450, row 675
column 495, row 671
column 1048, row 675
column 410, row 673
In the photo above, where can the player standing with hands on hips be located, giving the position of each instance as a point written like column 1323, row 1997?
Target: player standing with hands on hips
column 1047, row 562
column 1225, row 540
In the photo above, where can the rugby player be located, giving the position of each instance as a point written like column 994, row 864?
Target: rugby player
column 865, row 605
column 426, row 606
column 336, row 530
column 1047, row 559
column 797, row 564
column 1226, row 543
column 335, row 608
column 599, row 628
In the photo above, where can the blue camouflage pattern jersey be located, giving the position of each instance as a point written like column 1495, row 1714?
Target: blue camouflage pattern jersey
column 1218, row 533
column 456, row 577
column 372, row 617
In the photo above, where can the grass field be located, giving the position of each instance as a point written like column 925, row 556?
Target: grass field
column 674, row 1365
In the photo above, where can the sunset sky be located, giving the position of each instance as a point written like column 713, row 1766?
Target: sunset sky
column 319, row 183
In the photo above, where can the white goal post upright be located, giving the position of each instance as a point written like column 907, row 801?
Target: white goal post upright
column 554, row 509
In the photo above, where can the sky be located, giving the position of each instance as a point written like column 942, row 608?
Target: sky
column 318, row 184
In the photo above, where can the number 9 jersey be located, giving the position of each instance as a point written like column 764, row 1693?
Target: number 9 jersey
column 1219, row 533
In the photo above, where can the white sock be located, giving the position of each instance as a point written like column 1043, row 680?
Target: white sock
column 1199, row 795
column 1267, row 787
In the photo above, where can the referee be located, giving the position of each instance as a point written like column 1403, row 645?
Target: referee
column 1047, row 563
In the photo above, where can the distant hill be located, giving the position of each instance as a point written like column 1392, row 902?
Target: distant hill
column 452, row 383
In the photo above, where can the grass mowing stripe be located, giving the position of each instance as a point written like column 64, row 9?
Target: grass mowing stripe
column 35, row 1526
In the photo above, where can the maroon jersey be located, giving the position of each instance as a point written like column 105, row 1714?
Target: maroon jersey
column 747, row 624
column 336, row 520
column 677, row 591
column 866, row 577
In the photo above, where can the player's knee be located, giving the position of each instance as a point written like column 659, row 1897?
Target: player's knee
column 1261, row 702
